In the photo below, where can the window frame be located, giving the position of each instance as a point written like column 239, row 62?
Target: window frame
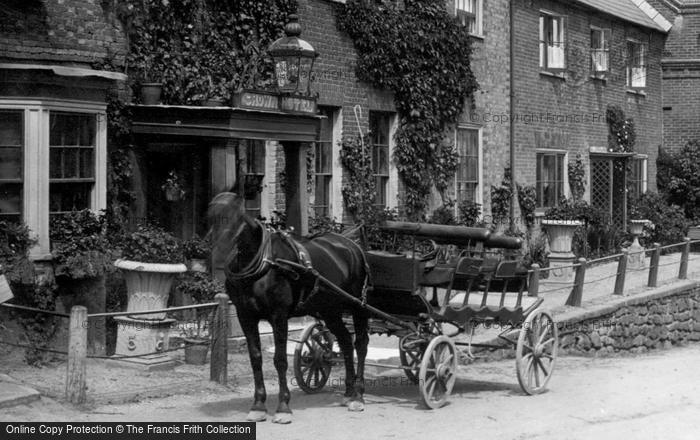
column 21, row 180
column 326, row 208
column 478, row 192
column 384, row 178
column 606, row 37
column 564, row 181
column 252, row 170
column 478, row 16
column 544, row 43
column 642, row 181
column 74, row 180
column 629, row 67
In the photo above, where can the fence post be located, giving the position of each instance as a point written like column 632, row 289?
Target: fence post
column 683, row 270
column 219, row 341
column 534, row 284
column 654, row 266
column 621, row 273
column 576, row 296
column 77, row 355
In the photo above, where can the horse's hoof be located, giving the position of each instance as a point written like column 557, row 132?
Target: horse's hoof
column 282, row 418
column 256, row 416
column 346, row 401
column 356, row 406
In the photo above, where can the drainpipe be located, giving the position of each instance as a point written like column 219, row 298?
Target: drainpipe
column 513, row 187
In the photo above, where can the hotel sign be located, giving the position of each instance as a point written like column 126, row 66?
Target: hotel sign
column 259, row 100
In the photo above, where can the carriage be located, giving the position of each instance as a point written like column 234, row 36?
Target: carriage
column 432, row 286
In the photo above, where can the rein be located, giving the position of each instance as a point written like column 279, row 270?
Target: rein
column 258, row 266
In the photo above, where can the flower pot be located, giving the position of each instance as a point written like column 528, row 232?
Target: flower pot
column 196, row 351
column 198, row 265
column 560, row 234
column 637, row 226
column 150, row 93
column 148, row 286
column 173, row 194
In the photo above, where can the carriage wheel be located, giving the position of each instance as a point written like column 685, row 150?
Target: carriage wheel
column 536, row 352
column 313, row 358
column 438, row 372
column 411, row 348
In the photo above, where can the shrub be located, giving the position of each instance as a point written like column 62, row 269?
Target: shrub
column 469, row 213
column 202, row 289
column 151, row 244
column 444, row 215
column 196, row 248
column 319, row 224
column 527, row 198
column 680, row 178
column 79, row 244
column 668, row 222
column 15, row 243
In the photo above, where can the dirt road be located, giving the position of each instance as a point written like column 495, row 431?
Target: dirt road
column 648, row 396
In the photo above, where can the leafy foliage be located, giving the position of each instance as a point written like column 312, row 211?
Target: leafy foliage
column 679, row 178
column 359, row 192
column 79, row 244
column 668, row 222
column 469, row 213
column 321, row 223
column 621, row 135
column 422, row 54
column 501, row 196
column 197, row 248
column 203, row 49
column 444, row 215
column 202, row 289
column 527, row 198
column 151, row 244
column 577, row 178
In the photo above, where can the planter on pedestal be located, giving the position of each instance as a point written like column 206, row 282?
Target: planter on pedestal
column 636, row 258
column 560, row 234
column 148, row 288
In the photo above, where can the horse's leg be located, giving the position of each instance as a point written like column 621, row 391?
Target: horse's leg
column 334, row 322
column 258, row 412
column 361, row 322
column 279, row 330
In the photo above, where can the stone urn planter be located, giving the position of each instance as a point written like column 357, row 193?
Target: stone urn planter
column 148, row 285
column 560, row 234
column 636, row 256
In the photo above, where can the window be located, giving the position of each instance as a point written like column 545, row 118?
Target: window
column 254, row 174
column 549, row 179
column 470, row 14
column 379, row 125
column 638, row 177
column 323, row 154
column 11, row 165
column 600, row 51
column 467, row 178
column 552, row 42
column 636, row 64
column 72, row 139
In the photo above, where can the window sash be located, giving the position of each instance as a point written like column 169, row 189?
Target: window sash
column 467, row 174
column 469, row 14
column 552, row 42
column 380, row 134
column 600, row 50
column 549, row 181
column 636, row 64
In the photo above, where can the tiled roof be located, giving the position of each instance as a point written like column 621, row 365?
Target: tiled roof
column 635, row 11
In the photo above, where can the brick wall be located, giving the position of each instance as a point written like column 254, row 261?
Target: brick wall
column 576, row 94
column 681, row 80
column 60, row 31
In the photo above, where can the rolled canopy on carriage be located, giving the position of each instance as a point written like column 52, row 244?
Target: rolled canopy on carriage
column 457, row 235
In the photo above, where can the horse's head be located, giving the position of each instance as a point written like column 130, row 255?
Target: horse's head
column 227, row 218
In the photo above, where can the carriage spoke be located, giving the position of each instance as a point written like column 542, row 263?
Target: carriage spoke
column 430, row 385
column 542, row 367
column 309, row 374
column 316, row 376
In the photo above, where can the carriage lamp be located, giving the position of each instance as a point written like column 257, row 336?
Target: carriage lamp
column 294, row 59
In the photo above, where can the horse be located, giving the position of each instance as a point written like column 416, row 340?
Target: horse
column 263, row 287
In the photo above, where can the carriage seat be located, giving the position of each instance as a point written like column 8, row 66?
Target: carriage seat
column 399, row 272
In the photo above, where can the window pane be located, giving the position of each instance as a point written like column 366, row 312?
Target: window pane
column 11, row 129
column 65, row 197
column 70, row 163
column 55, row 163
column 10, row 163
column 87, row 163
column 10, row 199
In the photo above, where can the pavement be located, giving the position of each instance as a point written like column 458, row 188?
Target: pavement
column 13, row 394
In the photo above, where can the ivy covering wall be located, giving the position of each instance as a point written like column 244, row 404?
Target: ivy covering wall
column 202, row 49
column 422, row 54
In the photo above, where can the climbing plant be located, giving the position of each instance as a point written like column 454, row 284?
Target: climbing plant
column 577, row 178
column 621, row 135
column 202, row 49
column 359, row 187
column 422, row 54
column 527, row 199
column 501, row 196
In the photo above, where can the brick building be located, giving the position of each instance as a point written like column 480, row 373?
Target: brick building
column 573, row 60
column 52, row 108
column 681, row 72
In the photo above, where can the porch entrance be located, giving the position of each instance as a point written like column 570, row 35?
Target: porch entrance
column 609, row 186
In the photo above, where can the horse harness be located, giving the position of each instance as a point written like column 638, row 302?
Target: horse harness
column 295, row 270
